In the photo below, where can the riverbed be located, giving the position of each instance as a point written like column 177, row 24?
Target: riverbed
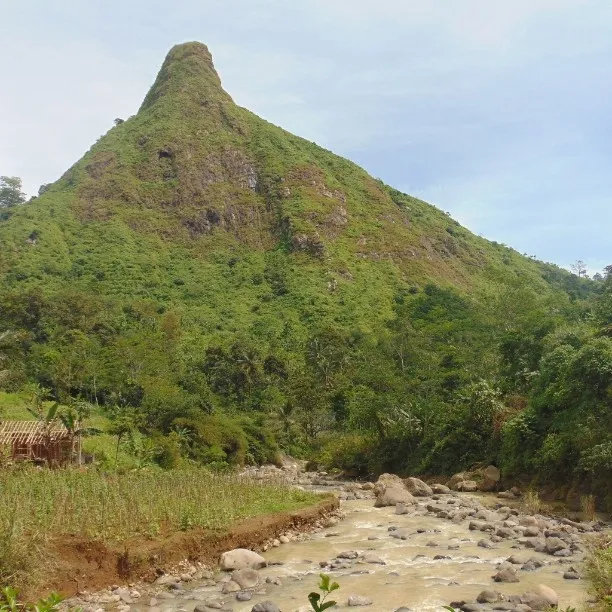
column 424, row 562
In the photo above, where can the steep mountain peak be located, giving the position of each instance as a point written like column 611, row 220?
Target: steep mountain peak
column 188, row 74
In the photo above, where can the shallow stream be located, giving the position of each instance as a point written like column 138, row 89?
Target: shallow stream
column 410, row 577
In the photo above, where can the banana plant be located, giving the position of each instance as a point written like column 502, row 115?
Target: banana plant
column 72, row 419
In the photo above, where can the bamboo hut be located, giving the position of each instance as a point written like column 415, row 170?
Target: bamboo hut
column 37, row 441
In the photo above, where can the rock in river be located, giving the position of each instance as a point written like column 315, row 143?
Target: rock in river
column 240, row 558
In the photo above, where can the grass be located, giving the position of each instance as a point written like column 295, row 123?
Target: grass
column 587, row 505
column 38, row 505
column 532, row 502
column 599, row 572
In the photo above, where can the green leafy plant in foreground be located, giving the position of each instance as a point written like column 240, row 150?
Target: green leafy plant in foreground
column 9, row 602
column 317, row 602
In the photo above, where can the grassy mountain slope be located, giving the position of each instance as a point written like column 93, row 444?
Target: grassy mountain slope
column 196, row 226
column 193, row 177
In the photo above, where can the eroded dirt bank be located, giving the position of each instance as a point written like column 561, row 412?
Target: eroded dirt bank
column 77, row 564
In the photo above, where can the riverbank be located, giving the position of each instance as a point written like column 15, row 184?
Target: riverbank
column 435, row 547
column 84, row 565
column 67, row 530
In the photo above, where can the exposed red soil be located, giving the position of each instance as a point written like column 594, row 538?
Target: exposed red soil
column 78, row 564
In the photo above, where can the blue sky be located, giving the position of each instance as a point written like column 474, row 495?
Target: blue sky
column 498, row 112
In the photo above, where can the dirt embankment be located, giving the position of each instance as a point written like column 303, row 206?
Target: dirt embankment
column 78, row 564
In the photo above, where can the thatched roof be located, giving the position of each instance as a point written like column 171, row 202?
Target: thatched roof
column 31, row 432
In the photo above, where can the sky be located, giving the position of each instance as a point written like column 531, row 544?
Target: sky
column 497, row 112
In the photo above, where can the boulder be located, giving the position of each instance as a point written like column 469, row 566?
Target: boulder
column 417, row 487
column 265, row 606
column 240, row 558
column 244, row 596
column 531, row 532
column 230, row 587
column 393, row 495
column 535, row 601
column 490, row 478
column 389, row 479
column 488, row 596
column 166, row 579
column 401, row 509
column 571, row 574
column 506, row 575
column 373, row 558
column 440, row 489
column 505, row 532
column 552, row 545
column 550, row 595
column 527, row 520
column 467, row 486
column 455, row 480
column 247, row 578
column 347, row 554
column 359, row 600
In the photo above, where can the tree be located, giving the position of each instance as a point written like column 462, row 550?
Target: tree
column 579, row 268
column 10, row 192
column 73, row 420
column 125, row 423
column 4, row 358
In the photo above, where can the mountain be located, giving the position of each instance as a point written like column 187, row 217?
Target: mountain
column 199, row 262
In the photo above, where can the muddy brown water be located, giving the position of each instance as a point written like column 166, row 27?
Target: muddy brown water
column 410, row 577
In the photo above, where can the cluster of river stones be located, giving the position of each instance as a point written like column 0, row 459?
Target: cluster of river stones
column 238, row 578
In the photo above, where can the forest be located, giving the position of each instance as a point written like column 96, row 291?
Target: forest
column 205, row 288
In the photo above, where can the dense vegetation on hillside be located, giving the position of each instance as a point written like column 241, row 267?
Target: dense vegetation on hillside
column 228, row 289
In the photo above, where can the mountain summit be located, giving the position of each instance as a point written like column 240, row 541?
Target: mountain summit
column 193, row 181
column 187, row 75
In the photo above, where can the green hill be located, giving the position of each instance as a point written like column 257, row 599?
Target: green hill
column 209, row 272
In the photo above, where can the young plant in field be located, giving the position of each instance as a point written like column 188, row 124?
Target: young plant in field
column 9, row 602
column 317, row 602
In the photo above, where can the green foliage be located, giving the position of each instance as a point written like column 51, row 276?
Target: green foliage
column 10, row 603
column 10, row 192
column 326, row 587
column 39, row 505
column 219, row 289
column 599, row 571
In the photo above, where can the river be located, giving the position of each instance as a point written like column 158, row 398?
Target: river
column 410, row 576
